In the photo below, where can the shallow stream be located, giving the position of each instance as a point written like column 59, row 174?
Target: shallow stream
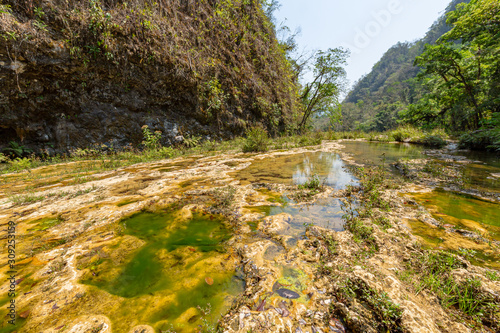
column 179, row 269
column 456, row 211
column 297, row 169
column 375, row 153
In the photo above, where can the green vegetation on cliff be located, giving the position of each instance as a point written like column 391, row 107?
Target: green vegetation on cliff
column 78, row 73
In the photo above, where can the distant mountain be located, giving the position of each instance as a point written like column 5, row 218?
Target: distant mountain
column 375, row 99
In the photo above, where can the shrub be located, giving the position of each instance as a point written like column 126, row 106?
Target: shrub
column 434, row 141
column 3, row 158
column 16, row 150
column 151, row 140
column 310, row 139
column 404, row 133
column 192, row 141
column 87, row 152
column 436, row 138
column 209, row 145
column 484, row 139
column 214, row 97
column 163, row 152
column 308, row 190
column 257, row 140
column 166, row 152
column 333, row 136
column 20, row 164
column 313, row 183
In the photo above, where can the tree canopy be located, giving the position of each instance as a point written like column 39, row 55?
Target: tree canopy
column 462, row 68
column 322, row 93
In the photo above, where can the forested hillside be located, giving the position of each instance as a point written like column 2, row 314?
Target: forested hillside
column 375, row 100
column 81, row 73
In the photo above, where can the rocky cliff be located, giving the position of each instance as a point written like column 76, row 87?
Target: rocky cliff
column 76, row 73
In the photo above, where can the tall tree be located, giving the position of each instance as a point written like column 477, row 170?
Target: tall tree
column 322, row 93
column 463, row 65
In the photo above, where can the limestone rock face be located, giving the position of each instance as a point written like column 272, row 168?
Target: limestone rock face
column 79, row 74
column 61, row 113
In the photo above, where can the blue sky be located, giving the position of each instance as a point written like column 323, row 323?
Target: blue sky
column 367, row 27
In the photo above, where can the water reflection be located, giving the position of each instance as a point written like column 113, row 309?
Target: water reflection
column 480, row 172
column 371, row 153
column 326, row 213
column 297, row 169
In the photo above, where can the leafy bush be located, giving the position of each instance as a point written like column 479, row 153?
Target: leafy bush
column 208, row 146
column 163, row 152
column 16, row 150
column 166, row 152
column 257, row 140
column 310, row 139
column 214, row 97
column 483, row 139
column 434, row 141
column 151, row 140
column 404, row 133
column 192, row 141
column 3, row 158
column 313, row 183
column 20, row 164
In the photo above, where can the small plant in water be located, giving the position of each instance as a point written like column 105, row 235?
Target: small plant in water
column 206, row 326
column 309, row 189
column 313, row 183
column 223, row 197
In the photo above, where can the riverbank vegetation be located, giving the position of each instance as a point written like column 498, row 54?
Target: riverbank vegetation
column 444, row 275
column 449, row 79
column 256, row 139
